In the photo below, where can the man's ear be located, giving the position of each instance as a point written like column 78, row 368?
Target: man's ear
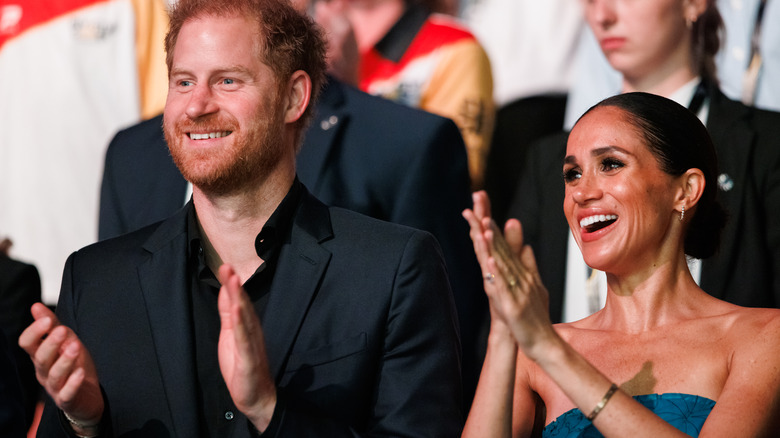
column 693, row 9
column 298, row 94
column 692, row 184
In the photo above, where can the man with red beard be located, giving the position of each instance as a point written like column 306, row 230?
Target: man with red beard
column 255, row 309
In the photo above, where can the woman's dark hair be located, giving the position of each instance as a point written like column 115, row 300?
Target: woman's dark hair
column 679, row 141
column 706, row 32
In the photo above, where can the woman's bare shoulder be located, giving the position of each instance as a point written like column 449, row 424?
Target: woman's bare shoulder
column 759, row 323
column 745, row 321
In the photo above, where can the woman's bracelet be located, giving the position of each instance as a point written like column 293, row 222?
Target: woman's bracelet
column 610, row 392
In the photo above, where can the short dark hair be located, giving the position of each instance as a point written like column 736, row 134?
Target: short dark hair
column 290, row 41
column 679, row 141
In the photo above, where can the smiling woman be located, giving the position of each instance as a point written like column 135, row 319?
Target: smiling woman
column 667, row 47
column 662, row 358
column 633, row 159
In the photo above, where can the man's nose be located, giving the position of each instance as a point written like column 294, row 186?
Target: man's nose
column 201, row 102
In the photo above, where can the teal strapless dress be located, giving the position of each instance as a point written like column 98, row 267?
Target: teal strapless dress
column 684, row 411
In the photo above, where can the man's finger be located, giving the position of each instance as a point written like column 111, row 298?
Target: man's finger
column 32, row 337
column 49, row 350
column 237, row 311
column 225, row 300
column 63, row 366
column 39, row 310
column 72, row 386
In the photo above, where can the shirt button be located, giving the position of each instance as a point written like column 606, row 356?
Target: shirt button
column 228, row 415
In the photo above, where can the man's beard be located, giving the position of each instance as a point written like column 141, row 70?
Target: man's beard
column 251, row 156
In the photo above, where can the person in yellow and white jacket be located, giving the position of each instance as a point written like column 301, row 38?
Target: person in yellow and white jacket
column 74, row 72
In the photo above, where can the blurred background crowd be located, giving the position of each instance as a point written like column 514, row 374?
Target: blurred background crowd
column 508, row 73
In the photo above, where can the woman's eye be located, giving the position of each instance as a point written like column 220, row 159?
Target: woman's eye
column 608, row 164
column 569, row 175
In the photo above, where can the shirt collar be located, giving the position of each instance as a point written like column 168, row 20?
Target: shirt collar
column 397, row 40
column 684, row 94
column 274, row 233
column 693, row 95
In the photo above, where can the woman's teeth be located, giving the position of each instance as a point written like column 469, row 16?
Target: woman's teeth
column 592, row 223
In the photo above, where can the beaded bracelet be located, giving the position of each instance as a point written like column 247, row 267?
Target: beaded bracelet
column 611, row 391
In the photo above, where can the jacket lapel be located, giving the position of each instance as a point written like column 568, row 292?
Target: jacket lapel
column 320, row 140
column 302, row 264
column 164, row 279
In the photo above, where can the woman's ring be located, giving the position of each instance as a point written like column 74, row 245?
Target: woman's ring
column 489, row 277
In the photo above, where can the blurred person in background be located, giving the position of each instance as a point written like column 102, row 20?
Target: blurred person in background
column 668, row 48
column 531, row 46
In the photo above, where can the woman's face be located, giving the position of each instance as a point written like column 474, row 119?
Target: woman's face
column 619, row 203
column 642, row 37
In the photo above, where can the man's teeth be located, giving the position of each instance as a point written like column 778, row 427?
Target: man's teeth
column 208, row 135
column 590, row 220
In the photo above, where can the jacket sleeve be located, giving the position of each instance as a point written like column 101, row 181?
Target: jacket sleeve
column 53, row 422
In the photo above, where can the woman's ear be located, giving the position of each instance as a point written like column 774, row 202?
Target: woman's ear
column 692, row 184
column 298, row 94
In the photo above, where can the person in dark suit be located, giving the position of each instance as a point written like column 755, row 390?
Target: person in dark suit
column 746, row 269
column 12, row 409
column 20, row 288
column 363, row 153
column 255, row 308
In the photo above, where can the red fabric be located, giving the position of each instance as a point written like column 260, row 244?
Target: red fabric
column 21, row 15
column 433, row 35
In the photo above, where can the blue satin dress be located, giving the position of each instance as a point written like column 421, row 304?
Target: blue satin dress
column 684, row 411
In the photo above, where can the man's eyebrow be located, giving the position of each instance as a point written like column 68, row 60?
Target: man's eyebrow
column 235, row 69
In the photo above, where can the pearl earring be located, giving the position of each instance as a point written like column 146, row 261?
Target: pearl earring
column 682, row 213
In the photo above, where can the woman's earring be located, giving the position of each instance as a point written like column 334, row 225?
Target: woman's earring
column 682, row 213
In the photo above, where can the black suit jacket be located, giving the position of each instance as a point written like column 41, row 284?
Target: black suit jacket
column 746, row 269
column 361, row 152
column 360, row 330
column 12, row 410
column 20, row 288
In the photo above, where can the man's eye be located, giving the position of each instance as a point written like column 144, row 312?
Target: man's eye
column 228, row 81
column 570, row 175
column 185, row 83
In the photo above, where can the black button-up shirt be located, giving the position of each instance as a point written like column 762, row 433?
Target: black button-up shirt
column 219, row 415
